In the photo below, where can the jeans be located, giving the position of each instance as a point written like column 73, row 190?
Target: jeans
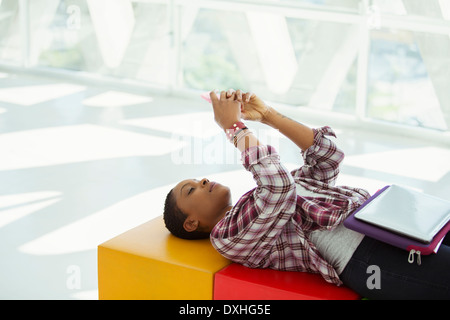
column 393, row 277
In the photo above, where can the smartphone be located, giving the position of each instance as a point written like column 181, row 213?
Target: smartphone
column 207, row 97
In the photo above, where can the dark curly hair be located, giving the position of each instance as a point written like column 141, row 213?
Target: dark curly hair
column 174, row 219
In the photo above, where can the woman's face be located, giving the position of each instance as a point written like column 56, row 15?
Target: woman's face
column 203, row 201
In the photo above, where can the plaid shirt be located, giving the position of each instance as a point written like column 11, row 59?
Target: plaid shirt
column 269, row 225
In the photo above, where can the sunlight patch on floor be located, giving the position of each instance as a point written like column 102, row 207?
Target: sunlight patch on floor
column 16, row 206
column 115, row 99
column 31, row 95
column 87, row 233
column 199, row 124
column 70, row 144
column 428, row 163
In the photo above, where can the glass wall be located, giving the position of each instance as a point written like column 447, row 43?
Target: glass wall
column 117, row 38
column 385, row 60
column 407, row 78
column 11, row 33
column 289, row 60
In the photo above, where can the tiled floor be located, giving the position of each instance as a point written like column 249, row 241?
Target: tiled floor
column 80, row 164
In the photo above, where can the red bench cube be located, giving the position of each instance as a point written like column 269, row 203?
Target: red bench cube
column 236, row 282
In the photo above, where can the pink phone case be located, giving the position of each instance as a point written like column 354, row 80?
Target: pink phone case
column 207, row 97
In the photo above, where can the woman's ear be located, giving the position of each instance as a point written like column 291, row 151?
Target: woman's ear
column 190, row 224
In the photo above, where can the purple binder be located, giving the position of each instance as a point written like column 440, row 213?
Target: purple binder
column 392, row 238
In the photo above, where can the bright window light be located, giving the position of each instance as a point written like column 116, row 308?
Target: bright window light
column 87, row 233
column 271, row 35
column 16, row 206
column 309, row 54
column 197, row 124
column 445, row 8
column 410, row 163
column 113, row 24
column 31, row 95
column 115, row 99
column 70, row 144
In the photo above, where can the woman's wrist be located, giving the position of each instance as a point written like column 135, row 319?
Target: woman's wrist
column 240, row 136
column 232, row 129
column 245, row 140
column 270, row 117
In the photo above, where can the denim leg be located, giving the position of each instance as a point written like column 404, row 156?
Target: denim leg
column 396, row 277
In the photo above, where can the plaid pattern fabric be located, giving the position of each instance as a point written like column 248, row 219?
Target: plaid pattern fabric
column 269, row 225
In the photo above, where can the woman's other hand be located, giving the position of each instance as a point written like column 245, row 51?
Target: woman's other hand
column 254, row 108
column 227, row 109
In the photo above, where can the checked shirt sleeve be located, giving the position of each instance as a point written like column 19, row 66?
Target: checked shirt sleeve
column 322, row 159
column 248, row 233
column 275, row 193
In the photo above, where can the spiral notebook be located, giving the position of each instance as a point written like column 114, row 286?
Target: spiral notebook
column 403, row 217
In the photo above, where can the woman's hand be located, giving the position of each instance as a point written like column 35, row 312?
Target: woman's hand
column 227, row 110
column 254, row 108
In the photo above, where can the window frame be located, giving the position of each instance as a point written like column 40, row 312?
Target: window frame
column 363, row 17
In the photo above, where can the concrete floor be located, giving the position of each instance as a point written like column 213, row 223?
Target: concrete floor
column 81, row 164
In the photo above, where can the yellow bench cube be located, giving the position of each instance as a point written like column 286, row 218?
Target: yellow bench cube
column 147, row 262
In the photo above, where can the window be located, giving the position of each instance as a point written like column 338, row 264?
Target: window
column 294, row 61
column 385, row 60
column 119, row 38
column 408, row 73
column 11, row 39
